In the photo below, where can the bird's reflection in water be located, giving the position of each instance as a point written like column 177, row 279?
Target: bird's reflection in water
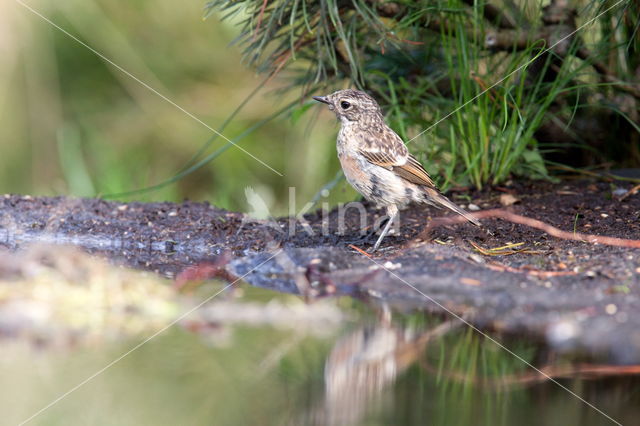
column 363, row 364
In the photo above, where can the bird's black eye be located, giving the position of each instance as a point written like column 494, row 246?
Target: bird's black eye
column 345, row 105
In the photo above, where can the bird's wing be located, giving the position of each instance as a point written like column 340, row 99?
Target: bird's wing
column 385, row 159
column 414, row 172
column 382, row 147
column 402, row 163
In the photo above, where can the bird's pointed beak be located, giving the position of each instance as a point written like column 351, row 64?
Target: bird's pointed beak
column 322, row 99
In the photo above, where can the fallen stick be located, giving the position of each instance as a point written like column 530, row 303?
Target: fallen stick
column 535, row 272
column 533, row 223
column 632, row 191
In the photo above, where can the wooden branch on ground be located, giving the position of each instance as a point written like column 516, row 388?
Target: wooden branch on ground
column 533, row 223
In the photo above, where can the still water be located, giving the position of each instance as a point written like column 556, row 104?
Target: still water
column 257, row 357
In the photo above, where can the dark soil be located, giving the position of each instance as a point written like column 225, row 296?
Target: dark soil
column 575, row 295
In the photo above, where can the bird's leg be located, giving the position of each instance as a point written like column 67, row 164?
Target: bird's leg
column 374, row 231
column 392, row 211
column 366, row 237
column 384, row 223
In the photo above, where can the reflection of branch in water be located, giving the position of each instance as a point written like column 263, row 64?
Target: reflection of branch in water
column 365, row 363
column 276, row 355
column 206, row 271
column 320, row 284
column 533, row 223
column 582, row 371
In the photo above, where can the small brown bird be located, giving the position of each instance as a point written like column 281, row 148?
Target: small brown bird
column 375, row 160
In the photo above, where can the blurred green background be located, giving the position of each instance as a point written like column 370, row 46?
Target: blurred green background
column 72, row 124
column 489, row 90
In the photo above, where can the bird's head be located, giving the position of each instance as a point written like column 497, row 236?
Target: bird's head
column 351, row 105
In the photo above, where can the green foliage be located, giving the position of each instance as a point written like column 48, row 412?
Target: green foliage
column 73, row 124
column 445, row 66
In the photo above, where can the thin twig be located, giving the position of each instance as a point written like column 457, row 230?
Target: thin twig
column 284, row 57
column 533, row 223
column 632, row 191
column 529, row 271
column 260, row 18
column 359, row 250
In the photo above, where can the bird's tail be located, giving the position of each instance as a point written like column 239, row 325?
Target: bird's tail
column 434, row 196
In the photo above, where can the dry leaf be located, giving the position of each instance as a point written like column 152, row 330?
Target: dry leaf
column 508, row 199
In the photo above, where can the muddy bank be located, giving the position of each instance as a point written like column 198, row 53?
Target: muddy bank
column 574, row 295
